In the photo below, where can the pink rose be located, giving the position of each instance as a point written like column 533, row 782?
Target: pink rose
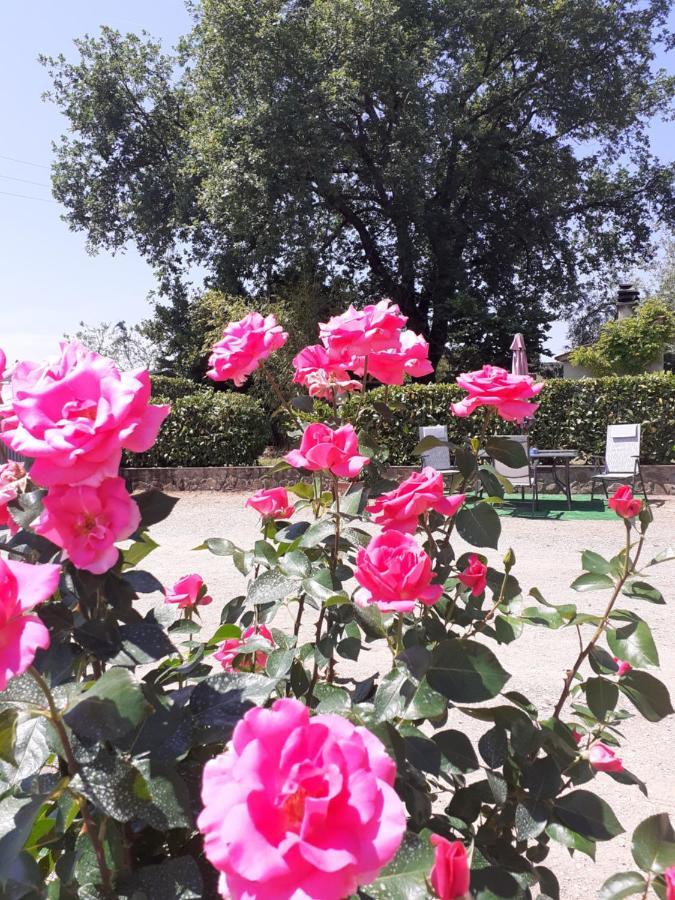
column 231, row 648
column 322, row 374
column 669, row 876
column 188, row 592
column 410, row 357
column 623, row 667
column 577, row 736
column 22, row 587
column 299, row 806
column 492, row 386
column 3, row 363
column 11, row 476
column 75, row 414
column 604, row 759
column 322, row 448
column 394, row 572
column 243, row 346
column 474, row 576
column 362, row 331
column 449, row 875
column 87, row 520
column 272, row 503
column 402, row 507
column 623, row 503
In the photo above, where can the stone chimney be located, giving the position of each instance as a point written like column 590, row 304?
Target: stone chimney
column 626, row 300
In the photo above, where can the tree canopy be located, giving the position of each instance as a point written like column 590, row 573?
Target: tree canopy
column 484, row 163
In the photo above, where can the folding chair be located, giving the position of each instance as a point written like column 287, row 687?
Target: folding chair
column 622, row 458
column 437, row 457
column 523, row 476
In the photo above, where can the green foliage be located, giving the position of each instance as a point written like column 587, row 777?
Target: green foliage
column 172, row 387
column 628, row 346
column 573, row 414
column 438, row 151
column 208, row 429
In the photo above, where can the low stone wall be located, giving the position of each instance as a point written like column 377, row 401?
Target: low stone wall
column 658, row 479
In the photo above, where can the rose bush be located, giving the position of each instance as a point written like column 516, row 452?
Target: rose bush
column 144, row 755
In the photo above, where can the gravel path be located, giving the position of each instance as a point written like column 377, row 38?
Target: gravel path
column 548, row 556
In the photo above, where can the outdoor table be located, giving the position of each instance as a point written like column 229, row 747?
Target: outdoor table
column 536, row 458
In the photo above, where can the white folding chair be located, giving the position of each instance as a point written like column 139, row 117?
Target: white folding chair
column 522, row 477
column 622, row 458
column 437, row 457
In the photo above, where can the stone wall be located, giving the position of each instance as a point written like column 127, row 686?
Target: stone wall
column 658, row 479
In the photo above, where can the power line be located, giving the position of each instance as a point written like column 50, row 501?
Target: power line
column 26, row 197
column 24, row 162
column 25, row 181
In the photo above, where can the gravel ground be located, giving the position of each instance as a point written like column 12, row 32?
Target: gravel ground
column 548, row 556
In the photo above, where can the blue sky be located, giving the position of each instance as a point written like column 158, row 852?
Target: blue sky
column 49, row 281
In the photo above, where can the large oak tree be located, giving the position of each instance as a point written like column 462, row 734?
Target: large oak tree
column 485, row 163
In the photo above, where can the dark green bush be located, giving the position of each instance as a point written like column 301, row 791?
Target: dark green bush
column 172, row 387
column 572, row 414
column 209, row 429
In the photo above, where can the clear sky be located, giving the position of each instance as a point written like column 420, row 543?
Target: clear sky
column 49, row 282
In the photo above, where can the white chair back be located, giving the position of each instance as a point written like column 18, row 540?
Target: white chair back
column 622, row 447
column 520, row 476
column 437, row 457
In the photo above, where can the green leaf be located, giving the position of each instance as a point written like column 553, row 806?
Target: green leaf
column 31, row 750
column 392, row 695
column 217, row 546
column 155, row 506
column 110, row 709
column 602, row 696
column 594, row 563
column 428, row 443
column 457, row 750
column 302, row 489
column 530, row 819
column 653, row 844
column 332, row 699
column 490, row 481
column 178, row 879
column 133, row 555
column 271, row 587
column 623, row 884
column 17, row 817
column 405, row 878
column 649, row 695
column 633, row 642
column 426, row 703
column 592, row 582
column 663, row 556
column 224, row 633
column 295, row 564
column 571, row 839
column 317, row 532
column 588, row 815
column 466, row 672
column 510, row 453
column 353, row 502
column 219, row 701
column 465, row 461
column 479, row 525
column 264, row 553
column 643, row 591
column 279, row 663
column 8, row 719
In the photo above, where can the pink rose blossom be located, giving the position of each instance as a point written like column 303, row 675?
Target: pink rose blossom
column 402, row 507
column 3, row 363
column 410, row 357
column 243, row 346
column 623, row 667
column 362, row 331
column 474, row 576
column 322, row 374
column 324, row 448
column 669, row 876
column 577, row 736
column 11, row 476
column 87, row 520
column 394, row 573
column 450, row 874
column 231, row 648
column 74, row 414
column 623, row 503
column 603, row 759
column 188, row 592
column 272, row 503
column 22, row 586
column 491, row 386
column 299, row 807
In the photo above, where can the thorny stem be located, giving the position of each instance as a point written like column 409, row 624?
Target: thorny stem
column 89, row 826
column 298, row 618
column 276, row 389
column 315, row 672
column 628, row 567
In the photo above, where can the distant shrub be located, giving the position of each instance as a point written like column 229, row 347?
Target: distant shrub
column 172, row 387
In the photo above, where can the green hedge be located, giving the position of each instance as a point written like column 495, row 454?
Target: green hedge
column 572, row 414
column 172, row 387
column 208, row 429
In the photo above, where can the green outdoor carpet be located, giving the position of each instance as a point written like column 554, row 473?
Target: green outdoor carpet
column 554, row 506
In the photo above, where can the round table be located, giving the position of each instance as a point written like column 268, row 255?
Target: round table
column 537, row 457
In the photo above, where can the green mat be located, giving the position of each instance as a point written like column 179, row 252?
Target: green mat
column 554, row 506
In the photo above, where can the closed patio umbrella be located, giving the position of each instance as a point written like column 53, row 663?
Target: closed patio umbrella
column 519, row 359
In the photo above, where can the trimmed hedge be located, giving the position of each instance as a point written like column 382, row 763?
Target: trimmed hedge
column 208, row 429
column 171, row 387
column 572, row 414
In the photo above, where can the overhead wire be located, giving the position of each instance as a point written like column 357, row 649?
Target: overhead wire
column 24, row 162
column 27, row 197
column 26, row 181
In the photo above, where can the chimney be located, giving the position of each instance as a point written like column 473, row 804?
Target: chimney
column 626, row 300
